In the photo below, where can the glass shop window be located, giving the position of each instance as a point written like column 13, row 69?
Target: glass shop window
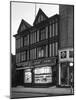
column 43, row 75
column 27, row 76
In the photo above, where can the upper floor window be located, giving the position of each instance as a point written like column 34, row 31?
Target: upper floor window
column 56, row 28
column 33, row 37
column 17, row 57
column 33, row 53
column 37, row 35
column 53, row 29
column 53, row 49
column 43, row 34
column 17, row 43
column 26, row 40
column 23, row 56
column 42, row 51
column 21, row 42
column 71, row 54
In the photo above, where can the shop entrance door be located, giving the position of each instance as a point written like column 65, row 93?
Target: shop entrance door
column 64, row 74
column 71, row 76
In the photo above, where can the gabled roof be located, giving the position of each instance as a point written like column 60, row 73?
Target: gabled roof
column 23, row 26
column 40, row 12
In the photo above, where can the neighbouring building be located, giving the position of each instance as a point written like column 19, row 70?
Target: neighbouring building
column 44, row 51
column 66, row 45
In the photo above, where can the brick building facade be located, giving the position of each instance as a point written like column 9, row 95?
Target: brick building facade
column 41, row 49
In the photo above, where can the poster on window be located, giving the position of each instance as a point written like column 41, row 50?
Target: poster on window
column 43, row 75
column 43, row 78
column 27, row 77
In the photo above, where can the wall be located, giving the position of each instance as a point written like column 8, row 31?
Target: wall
column 66, row 26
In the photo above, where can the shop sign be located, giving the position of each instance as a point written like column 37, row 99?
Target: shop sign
column 37, row 62
column 66, row 55
column 52, row 61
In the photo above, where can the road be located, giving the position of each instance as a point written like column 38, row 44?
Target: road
column 39, row 92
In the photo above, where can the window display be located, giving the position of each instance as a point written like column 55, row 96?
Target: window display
column 28, row 76
column 43, row 75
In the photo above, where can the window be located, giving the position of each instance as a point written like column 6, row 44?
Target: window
column 28, row 76
column 50, row 50
column 46, row 32
column 56, row 28
column 71, row 54
column 53, row 29
column 33, row 37
column 33, row 53
column 41, row 17
column 17, row 43
column 23, row 56
column 27, row 54
column 50, row 31
column 21, row 41
column 37, row 35
column 26, row 40
column 56, row 48
column 43, row 34
column 17, row 57
column 41, row 52
column 63, row 54
column 53, row 49
column 43, row 75
column 46, row 54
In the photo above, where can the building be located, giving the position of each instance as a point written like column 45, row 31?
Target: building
column 41, row 50
column 66, row 45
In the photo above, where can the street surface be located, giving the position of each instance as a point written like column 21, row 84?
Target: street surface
column 20, row 92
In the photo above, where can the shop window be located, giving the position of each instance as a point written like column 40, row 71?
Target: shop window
column 27, row 76
column 43, row 75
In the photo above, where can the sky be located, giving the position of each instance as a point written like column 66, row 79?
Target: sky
column 27, row 11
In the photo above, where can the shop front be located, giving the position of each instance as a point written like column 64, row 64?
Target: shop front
column 66, row 68
column 41, row 73
column 43, row 76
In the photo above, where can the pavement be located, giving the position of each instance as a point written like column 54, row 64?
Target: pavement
column 34, row 92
